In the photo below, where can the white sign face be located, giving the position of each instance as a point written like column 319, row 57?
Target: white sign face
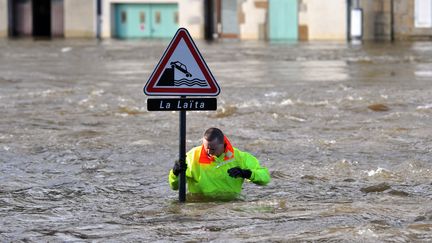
column 423, row 14
column 186, row 70
column 181, row 71
column 356, row 22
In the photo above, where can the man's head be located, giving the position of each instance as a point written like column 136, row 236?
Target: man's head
column 213, row 141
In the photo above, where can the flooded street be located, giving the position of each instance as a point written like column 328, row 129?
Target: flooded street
column 345, row 131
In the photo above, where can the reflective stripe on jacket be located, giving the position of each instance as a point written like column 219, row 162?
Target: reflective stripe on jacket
column 212, row 179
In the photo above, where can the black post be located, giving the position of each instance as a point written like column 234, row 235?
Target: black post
column 348, row 20
column 11, row 16
column 98, row 18
column 182, row 156
column 391, row 21
column 208, row 20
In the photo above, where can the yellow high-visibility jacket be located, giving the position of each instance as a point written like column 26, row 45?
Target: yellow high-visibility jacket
column 209, row 177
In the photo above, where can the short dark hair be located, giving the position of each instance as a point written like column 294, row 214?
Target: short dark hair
column 214, row 133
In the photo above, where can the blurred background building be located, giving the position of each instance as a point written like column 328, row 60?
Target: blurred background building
column 48, row 18
column 213, row 19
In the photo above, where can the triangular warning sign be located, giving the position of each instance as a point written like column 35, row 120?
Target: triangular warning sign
column 181, row 71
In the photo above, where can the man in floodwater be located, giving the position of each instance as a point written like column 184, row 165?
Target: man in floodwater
column 217, row 170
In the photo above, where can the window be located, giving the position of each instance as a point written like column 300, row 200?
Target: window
column 158, row 17
column 423, row 14
column 123, row 17
column 176, row 17
column 142, row 17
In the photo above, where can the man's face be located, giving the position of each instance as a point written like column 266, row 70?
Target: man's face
column 214, row 147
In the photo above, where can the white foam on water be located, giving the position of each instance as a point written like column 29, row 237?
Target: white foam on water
column 367, row 232
column 287, row 102
column 83, row 101
column 316, row 103
column 377, row 171
column 423, row 73
column 142, row 142
column 424, row 107
column 251, row 103
column 66, row 49
column 349, row 97
column 294, row 118
column 97, row 92
column 272, row 94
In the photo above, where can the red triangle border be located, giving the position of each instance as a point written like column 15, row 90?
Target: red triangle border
column 151, row 90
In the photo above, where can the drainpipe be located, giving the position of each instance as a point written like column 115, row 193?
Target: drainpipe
column 10, row 18
column 98, row 18
column 208, row 20
column 348, row 9
column 357, row 4
column 391, row 21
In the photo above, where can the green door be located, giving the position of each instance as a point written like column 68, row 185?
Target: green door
column 146, row 20
column 283, row 19
column 164, row 22
column 122, row 21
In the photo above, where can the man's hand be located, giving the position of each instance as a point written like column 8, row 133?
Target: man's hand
column 177, row 168
column 238, row 172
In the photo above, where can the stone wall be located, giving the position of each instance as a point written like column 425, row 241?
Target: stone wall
column 3, row 18
column 322, row 20
column 253, row 19
column 404, row 26
column 79, row 18
column 377, row 20
column 191, row 16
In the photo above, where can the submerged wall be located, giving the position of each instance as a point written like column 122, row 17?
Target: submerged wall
column 79, row 18
column 322, row 20
column 253, row 19
column 3, row 18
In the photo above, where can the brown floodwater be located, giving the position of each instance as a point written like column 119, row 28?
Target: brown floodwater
column 344, row 129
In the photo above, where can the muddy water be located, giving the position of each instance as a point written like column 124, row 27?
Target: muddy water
column 345, row 131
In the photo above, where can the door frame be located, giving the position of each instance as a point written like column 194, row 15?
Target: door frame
column 219, row 21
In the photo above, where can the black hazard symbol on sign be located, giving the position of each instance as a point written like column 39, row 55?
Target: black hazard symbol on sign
column 177, row 75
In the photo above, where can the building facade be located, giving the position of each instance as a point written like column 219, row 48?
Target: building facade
column 396, row 19
column 219, row 19
column 80, row 18
column 3, row 18
column 323, row 20
column 48, row 18
column 280, row 19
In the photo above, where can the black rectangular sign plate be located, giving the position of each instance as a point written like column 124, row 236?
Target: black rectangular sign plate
column 182, row 104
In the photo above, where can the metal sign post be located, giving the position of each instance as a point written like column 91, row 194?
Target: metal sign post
column 182, row 72
column 182, row 157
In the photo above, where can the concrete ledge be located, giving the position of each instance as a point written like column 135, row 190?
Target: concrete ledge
column 412, row 37
column 79, row 34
